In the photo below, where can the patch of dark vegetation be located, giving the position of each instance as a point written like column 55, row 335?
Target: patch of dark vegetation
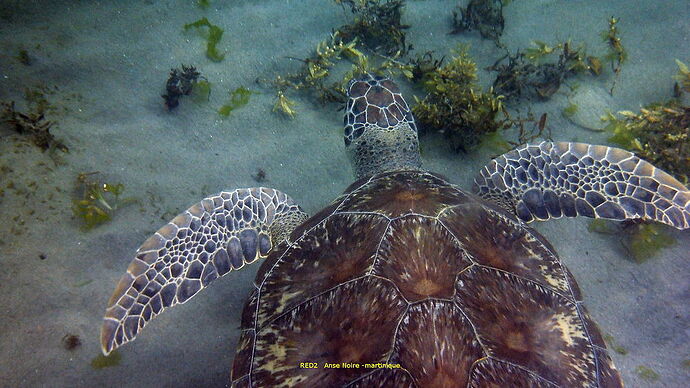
column 377, row 25
column 313, row 76
column 616, row 53
column 23, row 57
column 260, row 175
column 526, row 75
column 646, row 373
column 33, row 125
column 533, row 73
column 485, row 16
column 611, row 342
column 456, row 106
column 71, row 341
column 376, row 28
column 180, row 83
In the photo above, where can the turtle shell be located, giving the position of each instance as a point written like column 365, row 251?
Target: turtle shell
column 406, row 280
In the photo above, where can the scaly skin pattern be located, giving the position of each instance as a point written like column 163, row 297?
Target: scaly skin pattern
column 556, row 179
column 380, row 133
column 220, row 234
column 405, row 279
column 407, row 270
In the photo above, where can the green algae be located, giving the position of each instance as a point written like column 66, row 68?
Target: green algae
column 213, row 36
column 539, row 50
column 621, row 133
column 531, row 73
column 455, row 104
column 377, row 24
column 659, row 133
column 683, row 76
column 616, row 54
column 238, row 98
column 646, row 373
column 485, row 16
column 613, row 345
column 101, row 361
column 313, row 75
column 496, row 143
column 647, row 240
column 284, row 106
column 570, row 110
column 601, row 226
column 642, row 239
column 98, row 201
column 83, row 283
column 375, row 28
column 201, row 91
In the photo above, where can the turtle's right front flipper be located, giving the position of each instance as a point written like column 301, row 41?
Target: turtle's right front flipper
column 552, row 180
column 215, row 236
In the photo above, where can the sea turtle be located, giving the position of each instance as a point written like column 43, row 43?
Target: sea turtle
column 405, row 279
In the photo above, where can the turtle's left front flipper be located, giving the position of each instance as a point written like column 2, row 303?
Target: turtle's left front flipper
column 220, row 234
column 555, row 179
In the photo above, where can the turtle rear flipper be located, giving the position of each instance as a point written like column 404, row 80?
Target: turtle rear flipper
column 555, row 179
column 220, row 234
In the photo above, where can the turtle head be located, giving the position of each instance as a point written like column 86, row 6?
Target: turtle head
column 380, row 132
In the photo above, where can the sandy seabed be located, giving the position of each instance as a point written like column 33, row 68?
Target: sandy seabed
column 106, row 64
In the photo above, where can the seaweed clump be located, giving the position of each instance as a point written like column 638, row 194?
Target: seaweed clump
column 527, row 74
column 486, row 16
column 659, row 133
column 456, row 106
column 616, row 53
column 314, row 74
column 376, row 27
column 683, row 76
column 641, row 239
column 284, row 106
column 33, row 125
column 377, row 24
column 213, row 35
column 98, row 200
column 238, row 98
column 180, row 83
